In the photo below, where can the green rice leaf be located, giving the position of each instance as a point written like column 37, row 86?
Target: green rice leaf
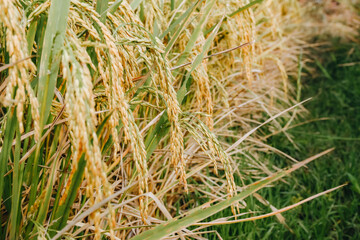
column 186, row 17
column 50, row 56
column 176, row 23
column 62, row 214
column 51, row 177
column 102, row 9
column 135, row 4
column 17, row 182
column 199, row 58
column 249, row 5
column 197, row 31
column 113, row 7
column 30, row 36
column 10, row 128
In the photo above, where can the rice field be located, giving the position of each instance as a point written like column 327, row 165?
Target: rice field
column 142, row 119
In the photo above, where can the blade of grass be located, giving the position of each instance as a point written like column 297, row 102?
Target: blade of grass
column 185, row 16
column 65, row 166
column 63, row 210
column 197, row 31
column 10, row 128
column 112, row 8
column 50, row 56
column 199, row 58
column 34, row 169
column 249, row 5
column 52, row 42
column 17, row 182
column 51, row 178
column 323, row 69
column 135, row 4
column 180, row 28
column 30, row 36
column 172, row 5
column 102, row 8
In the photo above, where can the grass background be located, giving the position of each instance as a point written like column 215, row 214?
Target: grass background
column 336, row 94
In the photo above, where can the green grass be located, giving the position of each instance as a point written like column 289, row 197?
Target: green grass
column 336, row 95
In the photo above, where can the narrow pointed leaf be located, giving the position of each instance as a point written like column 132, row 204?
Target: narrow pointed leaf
column 50, row 56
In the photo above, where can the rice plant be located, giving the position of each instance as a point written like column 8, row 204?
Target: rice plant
column 114, row 113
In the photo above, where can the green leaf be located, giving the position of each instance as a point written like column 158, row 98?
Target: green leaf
column 50, row 179
column 65, row 167
column 199, row 58
column 10, row 128
column 102, row 9
column 48, row 73
column 197, row 31
column 17, row 182
column 30, row 36
column 176, row 23
column 113, row 7
column 172, row 5
column 50, row 56
column 63, row 210
column 180, row 28
column 354, row 182
column 161, row 130
column 135, row 4
column 323, row 69
column 245, row 7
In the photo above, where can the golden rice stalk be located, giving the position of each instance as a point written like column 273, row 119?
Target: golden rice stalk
column 202, row 81
column 111, row 63
column 162, row 77
column 237, row 30
column 153, row 15
column 165, row 79
column 82, row 123
column 20, row 74
column 203, row 94
column 203, row 97
column 211, row 146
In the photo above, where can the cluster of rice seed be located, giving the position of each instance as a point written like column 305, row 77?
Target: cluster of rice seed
column 211, row 146
column 20, row 74
column 111, row 63
column 163, row 78
column 202, row 81
column 238, row 29
column 202, row 94
column 80, row 106
column 200, row 77
column 153, row 15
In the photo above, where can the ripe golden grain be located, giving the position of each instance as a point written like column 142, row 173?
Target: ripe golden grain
column 19, row 75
